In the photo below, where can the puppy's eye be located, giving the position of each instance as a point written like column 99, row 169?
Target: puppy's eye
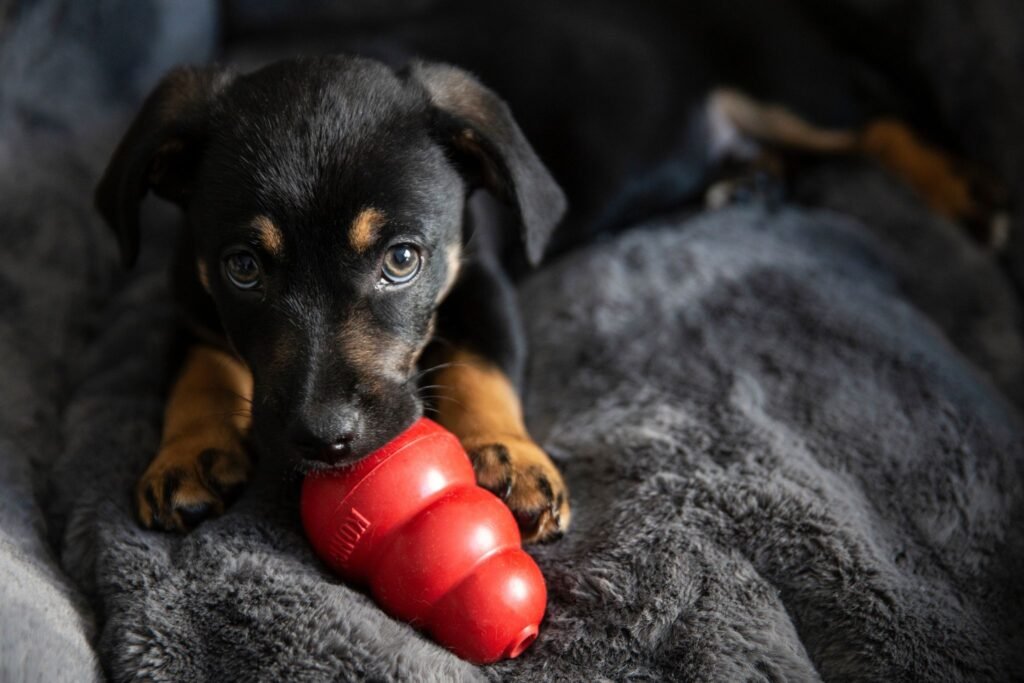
column 401, row 264
column 242, row 269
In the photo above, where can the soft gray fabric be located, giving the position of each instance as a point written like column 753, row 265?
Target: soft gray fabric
column 789, row 435
column 780, row 468
column 58, row 64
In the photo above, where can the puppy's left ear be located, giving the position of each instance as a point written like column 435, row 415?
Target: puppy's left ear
column 478, row 126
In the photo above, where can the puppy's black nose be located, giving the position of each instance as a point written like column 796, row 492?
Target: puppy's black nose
column 329, row 450
column 326, row 435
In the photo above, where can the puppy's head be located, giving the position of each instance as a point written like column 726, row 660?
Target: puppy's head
column 324, row 199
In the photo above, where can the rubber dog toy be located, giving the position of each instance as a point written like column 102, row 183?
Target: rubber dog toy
column 435, row 549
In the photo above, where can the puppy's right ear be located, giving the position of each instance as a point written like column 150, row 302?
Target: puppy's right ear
column 479, row 128
column 160, row 151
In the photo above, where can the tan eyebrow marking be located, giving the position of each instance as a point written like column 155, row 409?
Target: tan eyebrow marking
column 364, row 228
column 269, row 234
column 204, row 276
column 453, row 257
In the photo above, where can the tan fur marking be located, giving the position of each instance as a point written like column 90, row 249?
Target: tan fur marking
column 453, row 263
column 482, row 399
column 204, row 274
column 208, row 403
column 374, row 354
column 284, row 352
column 927, row 170
column 207, row 411
column 363, row 231
column 482, row 408
column 269, row 235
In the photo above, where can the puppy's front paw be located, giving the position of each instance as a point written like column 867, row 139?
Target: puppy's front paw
column 185, row 485
column 520, row 473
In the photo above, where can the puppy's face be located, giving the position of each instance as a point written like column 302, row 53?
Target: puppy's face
column 327, row 222
column 324, row 198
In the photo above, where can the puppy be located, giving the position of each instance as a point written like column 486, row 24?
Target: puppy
column 335, row 283
column 331, row 277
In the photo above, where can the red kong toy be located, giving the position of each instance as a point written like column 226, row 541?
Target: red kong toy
column 437, row 550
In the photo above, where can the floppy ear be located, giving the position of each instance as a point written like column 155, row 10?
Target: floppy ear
column 478, row 125
column 160, row 151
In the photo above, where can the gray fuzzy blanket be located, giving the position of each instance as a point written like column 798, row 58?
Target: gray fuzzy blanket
column 792, row 436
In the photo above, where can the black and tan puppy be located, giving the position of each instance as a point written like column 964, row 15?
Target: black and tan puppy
column 334, row 279
column 327, row 246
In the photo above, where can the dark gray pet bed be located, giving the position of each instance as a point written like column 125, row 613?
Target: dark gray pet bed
column 792, row 436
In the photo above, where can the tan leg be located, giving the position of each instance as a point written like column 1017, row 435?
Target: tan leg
column 479, row 405
column 202, row 457
column 933, row 174
column 930, row 172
